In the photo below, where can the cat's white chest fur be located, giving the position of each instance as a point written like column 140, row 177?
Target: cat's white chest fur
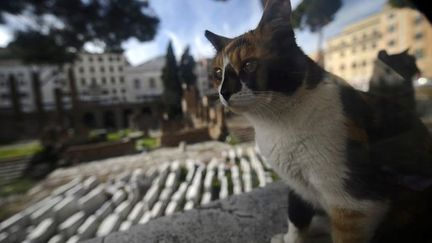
column 305, row 144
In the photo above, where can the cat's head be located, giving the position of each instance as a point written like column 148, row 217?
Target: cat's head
column 252, row 68
column 402, row 63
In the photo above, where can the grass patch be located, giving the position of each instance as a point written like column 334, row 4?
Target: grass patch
column 117, row 136
column 18, row 186
column 19, row 150
column 274, row 176
column 232, row 140
column 149, row 143
column 255, row 180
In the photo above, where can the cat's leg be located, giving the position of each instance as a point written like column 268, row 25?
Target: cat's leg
column 300, row 214
column 354, row 225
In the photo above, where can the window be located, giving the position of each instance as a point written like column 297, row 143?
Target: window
column 120, row 69
column 92, row 69
column 137, row 84
column 391, row 15
column 392, row 28
column 83, row 81
column 23, row 95
column 376, row 33
column 110, row 59
column 374, row 46
column 419, row 53
column 111, row 69
column 100, row 59
column 114, row 91
column 418, row 35
column 121, row 79
column 90, row 59
column 113, row 80
column 123, row 91
column 102, row 69
column 81, row 70
column 342, row 67
column 354, row 65
column 342, row 53
column 118, row 59
column 103, row 79
column 364, row 63
column 152, row 83
column 93, row 81
column 418, row 19
column 5, row 96
column 392, row 43
column 354, row 50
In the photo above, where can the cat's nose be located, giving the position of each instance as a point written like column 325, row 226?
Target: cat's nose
column 231, row 83
column 226, row 94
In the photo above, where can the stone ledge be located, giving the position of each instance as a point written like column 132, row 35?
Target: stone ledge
column 250, row 217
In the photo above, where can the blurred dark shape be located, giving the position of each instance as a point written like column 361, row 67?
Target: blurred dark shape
column 58, row 29
column 420, row 5
column 392, row 80
column 53, row 141
column 172, row 92
column 315, row 14
column 15, row 97
column 402, row 143
column 187, row 69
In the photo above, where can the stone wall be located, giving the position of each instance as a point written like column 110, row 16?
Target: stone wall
column 252, row 217
column 88, row 152
column 88, row 207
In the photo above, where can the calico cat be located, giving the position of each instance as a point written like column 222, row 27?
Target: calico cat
column 323, row 138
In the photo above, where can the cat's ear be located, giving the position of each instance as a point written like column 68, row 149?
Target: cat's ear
column 382, row 54
column 219, row 42
column 276, row 12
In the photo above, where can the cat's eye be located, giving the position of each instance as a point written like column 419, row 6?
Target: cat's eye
column 217, row 74
column 250, row 66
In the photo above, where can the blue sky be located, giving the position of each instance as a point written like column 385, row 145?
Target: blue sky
column 184, row 22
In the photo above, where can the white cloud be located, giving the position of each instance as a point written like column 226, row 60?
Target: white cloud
column 178, row 44
column 203, row 48
column 5, row 36
column 138, row 52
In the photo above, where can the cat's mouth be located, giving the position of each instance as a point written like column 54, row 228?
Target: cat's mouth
column 238, row 105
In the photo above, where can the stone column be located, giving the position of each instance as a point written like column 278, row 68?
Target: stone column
column 76, row 113
column 58, row 95
column 38, row 99
column 15, row 98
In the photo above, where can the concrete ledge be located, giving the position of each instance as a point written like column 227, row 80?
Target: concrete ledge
column 250, row 217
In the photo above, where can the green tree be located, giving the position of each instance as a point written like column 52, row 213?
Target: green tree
column 172, row 93
column 187, row 68
column 315, row 15
column 58, row 29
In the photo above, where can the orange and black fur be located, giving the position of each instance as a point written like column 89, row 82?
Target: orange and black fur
column 327, row 141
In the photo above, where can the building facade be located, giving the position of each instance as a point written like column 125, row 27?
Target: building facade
column 202, row 70
column 144, row 81
column 101, row 77
column 352, row 53
column 51, row 78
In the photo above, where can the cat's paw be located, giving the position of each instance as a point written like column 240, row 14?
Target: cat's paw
column 287, row 238
column 279, row 238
